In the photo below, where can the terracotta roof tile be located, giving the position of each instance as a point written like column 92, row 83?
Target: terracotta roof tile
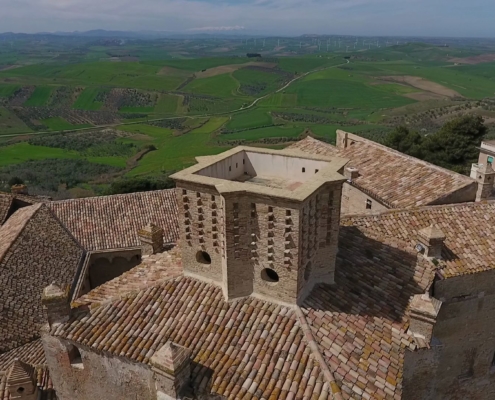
column 398, row 180
column 469, row 228
column 43, row 381
column 29, row 232
column 31, row 353
column 152, row 270
column 245, row 349
column 6, row 201
column 360, row 323
column 112, row 222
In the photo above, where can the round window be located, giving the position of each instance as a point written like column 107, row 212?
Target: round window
column 269, row 275
column 20, row 390
column 203, row 257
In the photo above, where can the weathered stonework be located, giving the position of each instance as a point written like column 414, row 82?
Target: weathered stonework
column 269, row 230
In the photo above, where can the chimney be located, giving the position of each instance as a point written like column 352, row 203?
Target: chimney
column 172, row 369
column 151, row 238
column 423, row 312
column 19, row 189
column 56, row 303
column 351, row 173
column 432, row 240
column 485, row 177
column 21, row 381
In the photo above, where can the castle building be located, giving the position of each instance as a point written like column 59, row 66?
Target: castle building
column 249, row 284
column 379, row 178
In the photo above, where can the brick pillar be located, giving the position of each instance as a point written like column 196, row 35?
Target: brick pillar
column 19, row 189
column 432, row 239
column 423, row 315
column 21, row 382
column 56, row 303
column 151, row 238
column 485, row 178
column 172, row 370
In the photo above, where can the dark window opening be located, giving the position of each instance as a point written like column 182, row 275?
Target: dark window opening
column 198, row 194
column 288, row 213
column 369, row 204
column 230, row 168
column 236, row 165
column 20, row 390
column 75, row 357
column 243, row 161
column 184, row 191
column 203, row 257
column 316, row 171
column 213, row 197
column 304, row 169
column 269, row 275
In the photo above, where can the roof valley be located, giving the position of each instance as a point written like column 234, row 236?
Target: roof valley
column 315, row 350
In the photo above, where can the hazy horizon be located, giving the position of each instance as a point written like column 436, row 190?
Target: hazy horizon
column 426, row 18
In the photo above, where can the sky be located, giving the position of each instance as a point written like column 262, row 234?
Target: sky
column 453, row 18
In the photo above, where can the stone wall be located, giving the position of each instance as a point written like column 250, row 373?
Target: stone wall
column 354, row 201
column 98, row 376
column 460, row 362
column 201, row 225
column 253, row 241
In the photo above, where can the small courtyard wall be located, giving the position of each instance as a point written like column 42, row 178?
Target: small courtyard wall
column 460, row 364
column 103, row 377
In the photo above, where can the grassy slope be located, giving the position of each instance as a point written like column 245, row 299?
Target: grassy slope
column 174, row 152
column 40, row 96
column 86, row 100
column 218, row 86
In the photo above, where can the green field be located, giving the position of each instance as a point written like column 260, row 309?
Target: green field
column 335, row 88
column 174, row 152
column 218, row 86
column 60, row 124
column 249, row 119
column 8, row 90
column 10, row 124
column 86, row 100
column 167, row 104
column 21, row 152
column 40, row 96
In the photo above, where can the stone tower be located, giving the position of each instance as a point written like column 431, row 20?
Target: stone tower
column 485, row 177
column 261, row 222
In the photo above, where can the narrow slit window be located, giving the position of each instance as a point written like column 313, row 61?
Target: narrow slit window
column 303, row 169
column 369, row 204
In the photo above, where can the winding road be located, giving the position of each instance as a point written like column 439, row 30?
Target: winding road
column 183, row 116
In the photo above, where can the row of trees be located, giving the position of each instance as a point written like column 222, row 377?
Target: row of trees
column 454, row 146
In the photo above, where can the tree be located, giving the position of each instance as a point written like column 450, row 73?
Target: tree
column 140, row 185
column 15, row 180
column 405, row 141
column 455, row 145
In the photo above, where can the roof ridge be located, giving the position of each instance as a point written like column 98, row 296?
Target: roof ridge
column 109, row 196
column 406, row 156
column 416, row 209
column 327, row 373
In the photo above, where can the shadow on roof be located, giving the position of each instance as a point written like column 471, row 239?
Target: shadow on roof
column 372, row 278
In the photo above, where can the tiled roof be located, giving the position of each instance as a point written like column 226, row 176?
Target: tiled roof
column 400, row 181
column 153, row 270
column 31, row 353
column 5, row 205
column 469, row 228
column 360, row 323
column 43, row 381
column 112, row 222
column 254, row 348
column 35, row 250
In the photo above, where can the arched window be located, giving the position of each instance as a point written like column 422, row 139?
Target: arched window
column 203, row 257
